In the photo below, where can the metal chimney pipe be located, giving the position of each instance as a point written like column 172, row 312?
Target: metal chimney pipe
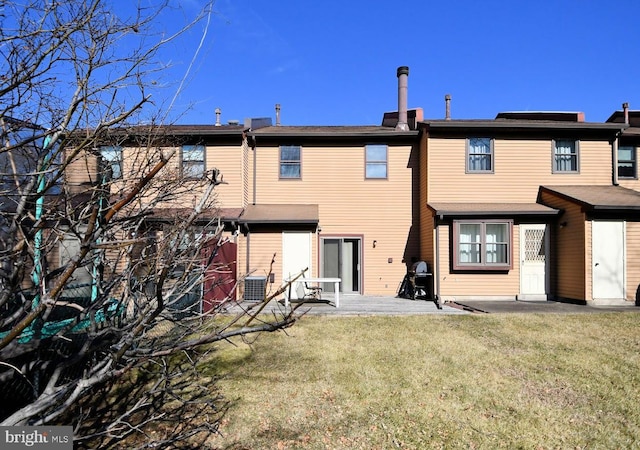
column 403, row 75
column 447, row 107
column 277, row 114
column 218, row 112
column 625, row 108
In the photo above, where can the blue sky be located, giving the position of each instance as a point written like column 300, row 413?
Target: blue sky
column 334, row 62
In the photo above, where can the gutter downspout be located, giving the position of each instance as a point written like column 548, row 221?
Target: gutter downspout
column 615, row 144
column 251, row 139
column 614, row 151
column 36, row 275
column 436, row 269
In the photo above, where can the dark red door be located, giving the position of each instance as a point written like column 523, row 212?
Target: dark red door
column 219, row 283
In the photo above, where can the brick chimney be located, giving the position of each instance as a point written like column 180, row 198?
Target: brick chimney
column 403, row 75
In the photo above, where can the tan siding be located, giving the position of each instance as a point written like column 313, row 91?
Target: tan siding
column 633, row 261
column 629, row 184
column 81, row 172
column 488, row 284
column 246, row 171
column 569, row 250
column 263, row 246
column 380, row 210
column 427, row 226
column 229, row 160
column 520, row 167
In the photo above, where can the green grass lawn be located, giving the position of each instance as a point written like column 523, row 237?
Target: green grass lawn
column 478, row 381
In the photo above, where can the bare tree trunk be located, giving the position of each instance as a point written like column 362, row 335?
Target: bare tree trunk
column 117, row 353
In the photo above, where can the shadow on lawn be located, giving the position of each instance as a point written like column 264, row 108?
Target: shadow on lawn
column 159, row 405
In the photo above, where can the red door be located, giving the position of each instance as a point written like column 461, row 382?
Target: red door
column 219, row 283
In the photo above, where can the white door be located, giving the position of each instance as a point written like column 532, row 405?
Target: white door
column 608, row 240
column 296, row 256
column 534, row 245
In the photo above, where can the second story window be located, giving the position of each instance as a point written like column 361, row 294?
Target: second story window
column 111, row 162
column 627, row 163
column 376, row 161
column 193, row 161
column 565, row 156
column 290, row 161
column 479, row 155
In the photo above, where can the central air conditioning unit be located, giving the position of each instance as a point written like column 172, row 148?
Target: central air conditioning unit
column 255, row 288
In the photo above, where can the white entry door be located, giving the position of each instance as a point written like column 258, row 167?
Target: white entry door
column 534, row 245
column 608, row 246
column 296, row 255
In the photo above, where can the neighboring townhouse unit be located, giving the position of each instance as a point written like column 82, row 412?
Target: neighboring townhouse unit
column 527, row 206
column 337, row 200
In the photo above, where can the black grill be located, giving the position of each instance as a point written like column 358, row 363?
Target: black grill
column 417, row 284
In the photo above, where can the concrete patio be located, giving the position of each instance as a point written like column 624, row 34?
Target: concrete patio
column 363, row 305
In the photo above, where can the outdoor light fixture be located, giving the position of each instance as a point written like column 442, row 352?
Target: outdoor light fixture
column 374, row 243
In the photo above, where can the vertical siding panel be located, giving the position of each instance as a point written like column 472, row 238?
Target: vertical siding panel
column 229, row 160
column 571, row 243
column 81, row 173
column 633, row 261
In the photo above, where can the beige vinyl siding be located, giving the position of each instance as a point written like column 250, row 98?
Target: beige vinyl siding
column 477, row 285
column 426, row 219
column 82, row 171
column 520, row 167
column 570, row 260
column 246, row 171
column 628, row 183
column 230, row 161
column 262, row 248
column 378, row 209
column 633, row 261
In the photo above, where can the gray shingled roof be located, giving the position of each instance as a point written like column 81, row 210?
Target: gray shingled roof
column 598, row 197
column 270, row 213
column 490, row 209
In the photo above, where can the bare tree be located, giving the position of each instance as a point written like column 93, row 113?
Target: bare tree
column 100, row 324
